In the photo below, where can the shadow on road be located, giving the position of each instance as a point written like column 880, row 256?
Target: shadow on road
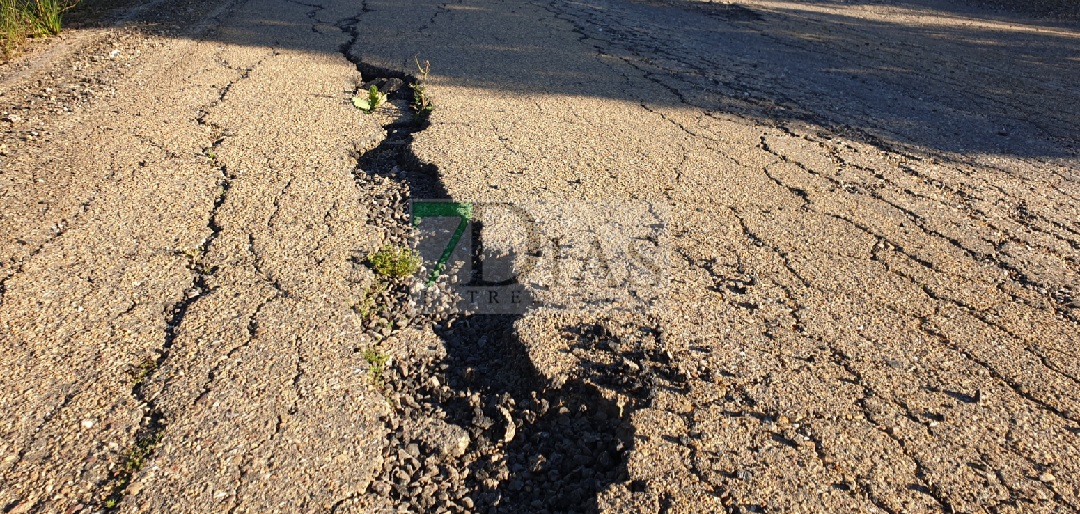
column 537, row 444
column 568, row 443
column 921, row 77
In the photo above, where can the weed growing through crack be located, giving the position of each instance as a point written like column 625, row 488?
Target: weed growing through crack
column 395, row 261
column 376, row 365
column 133, row 461
column 192, row 254
column 374, row 99
column 195, row 262
column 421, row 104
column 143, row 370
column 369, row 305
column 146, row 440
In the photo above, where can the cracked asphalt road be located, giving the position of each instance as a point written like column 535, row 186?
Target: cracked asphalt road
column 872, row 276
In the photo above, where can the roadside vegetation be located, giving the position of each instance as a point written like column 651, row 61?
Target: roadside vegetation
column 394, row 261
column 22, row 19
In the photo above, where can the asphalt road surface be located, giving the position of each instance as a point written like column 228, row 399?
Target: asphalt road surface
column 773, row 256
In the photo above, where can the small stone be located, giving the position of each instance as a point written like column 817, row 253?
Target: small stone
column 511, row 428
column 22, row 508
column 380, row 488
column 446, row 439
column 604, row 460
column 87, row 423
column 1047, row 477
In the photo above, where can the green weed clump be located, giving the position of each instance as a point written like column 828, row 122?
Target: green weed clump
column 20, row 19
column 368, row 104
column 376, row 364
column 369, row 306
column 395, row 261
column 132, row 462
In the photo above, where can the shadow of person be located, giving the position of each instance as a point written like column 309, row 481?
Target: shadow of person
column 535, row 442
column 538, row 445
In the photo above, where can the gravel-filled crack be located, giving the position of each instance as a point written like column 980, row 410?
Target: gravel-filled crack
column 481, row 429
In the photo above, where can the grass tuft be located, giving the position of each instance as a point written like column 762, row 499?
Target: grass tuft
column 20, row 19
column 376, row 364
column 132, row 462
column 369, row 305
column 395, row 261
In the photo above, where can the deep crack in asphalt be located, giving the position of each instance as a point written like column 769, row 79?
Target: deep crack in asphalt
column 536, row 444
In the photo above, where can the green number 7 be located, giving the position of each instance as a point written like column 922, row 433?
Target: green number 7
column 434, row 209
